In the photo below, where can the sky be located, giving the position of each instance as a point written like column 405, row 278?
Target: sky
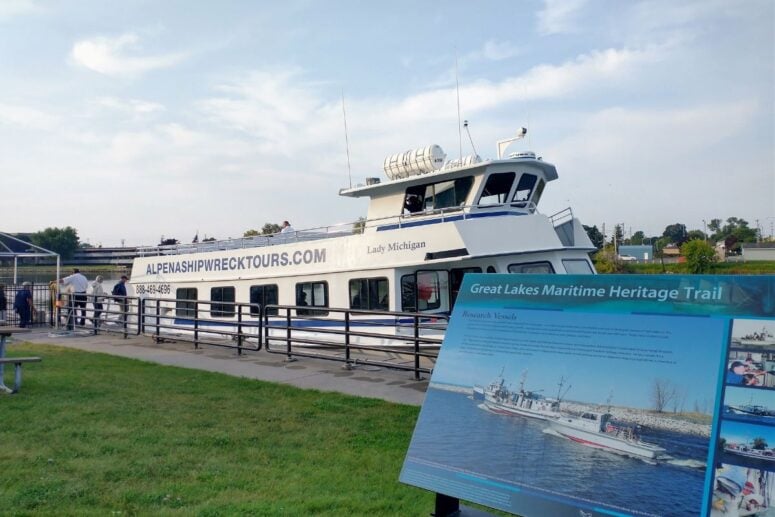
column 136, row 119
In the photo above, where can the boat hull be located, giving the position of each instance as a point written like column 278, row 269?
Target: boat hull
column 606, row 441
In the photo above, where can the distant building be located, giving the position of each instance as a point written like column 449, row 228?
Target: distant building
column 758, row 251
column 102, row 257
column 641, row 252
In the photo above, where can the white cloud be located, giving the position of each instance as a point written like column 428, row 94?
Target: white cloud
column 132, row 106
column 652, row 164
column 114, row 56
column 492, row 50
column 559, row 16
column 26, row 117
column 12, row 8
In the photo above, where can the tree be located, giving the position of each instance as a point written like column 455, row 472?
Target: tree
column 209, row 239
column 618, row 237
column 251, row 233
column 168, row 242
column 662, row 393
column 734, row 232
column 270, row 228
column 676, row 233
column 759, row 443
column 597, row 238
column 59, row 240
column 359, row 225
column 699, row 256
column 637, row 238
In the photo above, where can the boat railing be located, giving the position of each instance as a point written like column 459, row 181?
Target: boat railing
column 561, row 217
column 337, row 230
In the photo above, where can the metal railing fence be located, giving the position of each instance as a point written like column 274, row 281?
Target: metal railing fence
column 400, row 340
column 203, row 322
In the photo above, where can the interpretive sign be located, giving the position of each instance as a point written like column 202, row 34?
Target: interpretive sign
column 604, row 395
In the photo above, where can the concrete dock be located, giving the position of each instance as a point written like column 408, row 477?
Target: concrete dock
column 362, row 380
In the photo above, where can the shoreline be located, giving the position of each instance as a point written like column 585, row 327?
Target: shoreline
column 645, row 418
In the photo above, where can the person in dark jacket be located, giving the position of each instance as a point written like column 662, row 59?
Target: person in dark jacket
column 3, row 303
column 23, row 304
column 120, row 290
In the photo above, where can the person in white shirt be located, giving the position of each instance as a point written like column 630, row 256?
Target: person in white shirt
column 80, row 284
column 286, row 228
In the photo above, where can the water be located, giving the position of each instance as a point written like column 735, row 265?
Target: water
column 42, row 276
column 456, row 431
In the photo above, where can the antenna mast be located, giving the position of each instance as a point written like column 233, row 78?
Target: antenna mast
column 346, row 142
column 459, row 129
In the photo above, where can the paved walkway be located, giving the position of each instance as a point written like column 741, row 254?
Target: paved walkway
column 365, row 381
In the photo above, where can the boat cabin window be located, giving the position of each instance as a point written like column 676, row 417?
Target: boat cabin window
column 222, row 302
column 185, row 309
column 532, row 268
column 313, row 294
column 577, row 267
column 420, row 292
column 456, row 279
column 369, row 294
column 435, row 196
column 491, row 269
column 496, row 189
column 263, row 295
column 524, row 188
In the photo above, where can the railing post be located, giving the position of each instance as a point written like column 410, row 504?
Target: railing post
column 288, row 331
column 347, row 338
column 417, row 376
column 125, row 314
column 196, row 325
column 94, row 314
column 259, row 331
column 239, row 329
column 139, row 315
column 158, row 312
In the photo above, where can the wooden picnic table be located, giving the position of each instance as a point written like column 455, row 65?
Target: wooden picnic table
column 5, row 332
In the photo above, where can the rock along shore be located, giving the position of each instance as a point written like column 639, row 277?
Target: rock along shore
column 663, row 422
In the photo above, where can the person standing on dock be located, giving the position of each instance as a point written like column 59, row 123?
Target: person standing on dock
column 119, row 290
column 23, row 305
column 80, row 284
column 3, row 303
column 98, row 293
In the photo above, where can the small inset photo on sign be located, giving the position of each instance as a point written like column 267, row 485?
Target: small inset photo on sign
column 754, row 369
column 742, row 491
column 746, row 444
column 749, row 405
column 753, row 335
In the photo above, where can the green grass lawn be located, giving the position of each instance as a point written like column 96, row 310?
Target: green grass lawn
column 95, row 434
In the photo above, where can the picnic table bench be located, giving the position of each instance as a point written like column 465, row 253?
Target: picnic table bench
column 16, row 361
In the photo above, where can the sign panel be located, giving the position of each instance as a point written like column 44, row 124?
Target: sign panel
column 604, row 395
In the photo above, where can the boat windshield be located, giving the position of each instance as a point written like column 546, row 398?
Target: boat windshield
column 437, row 195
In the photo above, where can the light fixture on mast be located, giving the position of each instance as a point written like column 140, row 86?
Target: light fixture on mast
column 503, row 144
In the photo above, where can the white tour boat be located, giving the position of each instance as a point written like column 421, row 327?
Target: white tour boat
column 499, row 399
column 427, row 226
column 594, row 429
column 756, row 339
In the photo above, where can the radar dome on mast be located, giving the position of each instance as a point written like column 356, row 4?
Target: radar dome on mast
column 411, row 163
